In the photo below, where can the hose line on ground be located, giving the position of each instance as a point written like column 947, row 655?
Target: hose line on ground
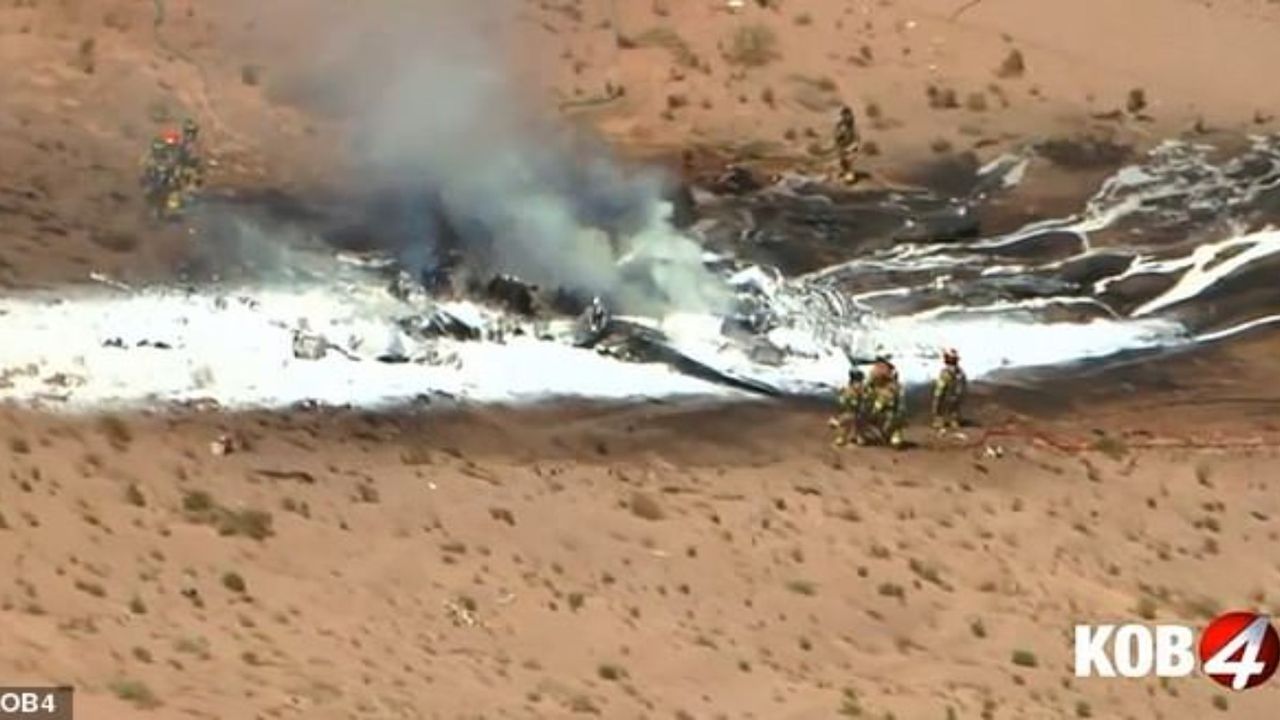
column 1075, row 445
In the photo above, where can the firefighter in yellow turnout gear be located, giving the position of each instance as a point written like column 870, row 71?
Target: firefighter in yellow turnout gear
column 885, row 405
column 161, row 178
column 872, row 408
column 848, row 420
column 949, row 392
column 190, row 164
column 172, row 170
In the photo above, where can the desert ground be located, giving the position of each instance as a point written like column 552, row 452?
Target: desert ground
column 657, row 561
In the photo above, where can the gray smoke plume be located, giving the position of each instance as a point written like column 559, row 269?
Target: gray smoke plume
column 438, row 119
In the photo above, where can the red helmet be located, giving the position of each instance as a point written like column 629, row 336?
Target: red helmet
column 171, row 137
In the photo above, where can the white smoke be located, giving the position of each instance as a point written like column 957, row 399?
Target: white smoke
column 427, row 92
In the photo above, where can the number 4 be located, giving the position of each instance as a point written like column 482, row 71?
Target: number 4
column 1248, row 665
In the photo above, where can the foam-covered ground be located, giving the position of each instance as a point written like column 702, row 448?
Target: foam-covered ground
column 1159, row 257
column 237, row 349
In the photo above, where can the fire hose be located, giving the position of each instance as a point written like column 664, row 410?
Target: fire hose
column 1076, row 445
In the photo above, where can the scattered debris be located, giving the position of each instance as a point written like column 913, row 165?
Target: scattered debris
column 309, row 346
column 512, row 294
column 763, row 352
column 116, row 342
column 737, row 180
column 224, row 445
column 436, row 357
column 592, row 324
column 443, row 323
column 109, row 281
column 404, row 287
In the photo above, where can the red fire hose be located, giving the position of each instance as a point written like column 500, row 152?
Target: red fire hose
column 1076, row 445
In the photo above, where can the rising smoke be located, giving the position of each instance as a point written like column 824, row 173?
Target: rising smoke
column 439, row 123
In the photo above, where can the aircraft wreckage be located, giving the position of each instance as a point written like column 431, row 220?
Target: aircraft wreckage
column 506, row 306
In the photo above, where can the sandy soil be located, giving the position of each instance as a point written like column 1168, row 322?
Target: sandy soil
column 652, row 561
column 630, row 562
column 86, row 83
column 1080, row 61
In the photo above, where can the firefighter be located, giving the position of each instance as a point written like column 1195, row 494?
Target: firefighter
column 847, row 142
column 949, row 391
column 884, row 406
column 161, row 172
column 190, row 165
column 849, row 418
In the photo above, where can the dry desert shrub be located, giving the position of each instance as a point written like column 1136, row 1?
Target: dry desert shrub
column 802, row 587
column 1013, row 65
column 1024, row 658
column 752, row 46
column 234, row 582
column 611, row 672
column 133, row 495
column 1136, row 101
column 116, row 431
column 815, row 94
column 201, row 508
column 250, row 523
column 645, row 507
column 135, row 692
column 251, row 75
column 666, row 38
column 117, row 241
column 86, row 56
column 1111, row 446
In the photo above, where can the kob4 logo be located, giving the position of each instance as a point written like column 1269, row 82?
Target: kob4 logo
column 1239, row 650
